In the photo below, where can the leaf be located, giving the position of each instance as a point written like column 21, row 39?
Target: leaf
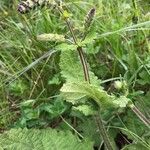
column 90, row 129
column 72, row 69
column 137, row 146
column 145, row 78
column 70, row 66
column 85, row 109
column 51, row 37
column 132, row 61
column 31, row 113
column 56, row 109
column 17, row 88
column 27, row 110
column 65, row 47
column 135, row 125
column 45, row 139
column 89, row 37
column 55, row 80
column 75, row 87
column 144, row 103
column 122, row 101
column 74, row 91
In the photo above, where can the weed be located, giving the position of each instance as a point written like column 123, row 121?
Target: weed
column 75, row 66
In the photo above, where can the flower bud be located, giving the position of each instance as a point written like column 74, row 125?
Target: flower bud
column 118, row 85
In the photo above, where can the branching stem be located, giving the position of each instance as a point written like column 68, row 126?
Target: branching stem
column 87, row 78
column 81, row 54
column 79, row 49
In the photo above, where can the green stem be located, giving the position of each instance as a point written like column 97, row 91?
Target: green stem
column 71, row 31
column 140, row 115
column 135, row 17
column 81, row 54
column 103, row 132
column 134, row 4
column 87, row 78
column 84, row 64
column 79, row 49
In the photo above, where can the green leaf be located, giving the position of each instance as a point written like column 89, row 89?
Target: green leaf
column 70, row 66
column 1, row 148
column 45, row 139
column 55, row 80
column 51, row 37
column 17, row 88
column 72, row 69
column 31, row 113
column 74, row 91
column 145, row 78
column 144, row 103
column 135, row 125
column 90, row 129
column 27, row 110
column 137, row 146
column 55, row 109
column 85, row 109
column 122, row 101
column 89, row 37
column 65, row 47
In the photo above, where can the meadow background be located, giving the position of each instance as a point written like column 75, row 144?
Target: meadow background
column 117, row 50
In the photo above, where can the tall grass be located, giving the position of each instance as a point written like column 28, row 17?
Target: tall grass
column 122, row 50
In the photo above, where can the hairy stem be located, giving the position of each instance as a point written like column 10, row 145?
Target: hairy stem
column 140, row 115
column 84, row 64
column 87, row 78
column 71, row 31
column 103, row 132
column 79, row 49
column 81, row 54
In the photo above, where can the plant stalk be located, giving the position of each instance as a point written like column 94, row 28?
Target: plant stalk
column 79, row 49
column 87, row 78
column 81, row 54
column 84, row 64
column 103, row 132
column 140, row 115
column 135, row 17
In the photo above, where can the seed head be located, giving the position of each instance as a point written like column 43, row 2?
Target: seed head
column 89, row 18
